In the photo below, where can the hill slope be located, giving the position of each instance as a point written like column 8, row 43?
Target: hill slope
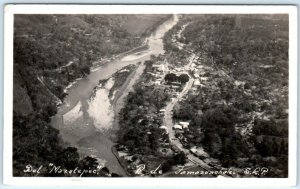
column 51, row 51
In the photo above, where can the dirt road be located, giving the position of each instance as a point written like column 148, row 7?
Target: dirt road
column 168, row 120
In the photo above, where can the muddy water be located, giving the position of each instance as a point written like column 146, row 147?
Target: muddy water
column 76, row 118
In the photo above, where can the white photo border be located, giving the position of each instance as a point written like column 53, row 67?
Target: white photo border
column 9, row 12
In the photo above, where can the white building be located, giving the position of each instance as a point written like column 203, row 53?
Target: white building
column 164, row 128
column 157, row 82
column 196, row 75
column 199, row 152
column 185, row 125
column 203, row 79
column 197, row 82
column 177, row 127
column 162, row 111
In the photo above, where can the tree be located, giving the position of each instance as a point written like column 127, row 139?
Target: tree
column 115, row 175
column 51, row 110
column 105, row 170
column 86, row 69
column 88, row 163
column 166, row 166
column 247, row 85
column 183, row 78
column 180, row 158
column 69, row 158
column 171, row 77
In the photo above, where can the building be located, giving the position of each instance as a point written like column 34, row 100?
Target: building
column 203, row 79
column 197, row 82
column 157, row 82
column 199, row 152
column 177, row 127
column 164, row 128
column 175, row 87
column 185, row 125
column 196, row 75
column 239, row 83
column 159, row 67
column 153, row 74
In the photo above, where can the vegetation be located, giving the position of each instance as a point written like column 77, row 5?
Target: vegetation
column 240, row 112
column 50, row 52
column 139, row 133
column 133, row 123
column 37, row 143
column 121, row 76
column 171, row 77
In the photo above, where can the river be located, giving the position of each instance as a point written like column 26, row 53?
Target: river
column 74, row 121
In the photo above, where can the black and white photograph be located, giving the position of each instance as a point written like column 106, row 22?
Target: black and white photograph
column 168, row 94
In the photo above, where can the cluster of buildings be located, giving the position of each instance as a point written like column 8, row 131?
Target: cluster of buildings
column 159, row 70
column 198, row 71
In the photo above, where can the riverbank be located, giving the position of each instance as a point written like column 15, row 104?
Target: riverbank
column 97, row 65
column 122, row 91
column 121, row 161
column 82, row 133
column 130, row 161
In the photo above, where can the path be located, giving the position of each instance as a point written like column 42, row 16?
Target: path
column 168, row 120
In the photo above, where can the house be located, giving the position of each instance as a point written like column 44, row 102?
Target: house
column 162, row 111
column 176, row 83
column 193, row 150
column 179, row 69
column 221, row 102
column 239, row 83
column 199, row 152
column 155, row 65
column 177, row 127
column 185, row 126
column 196, row 75
column 153, row 74
column 197, row 82
column 129, row 158
column 200, row 112
column 183, row 123
column 203, row 79
column 164, row 128
column 156, row 82
column 175, row 87
column 159, row 67
column 200, row 67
